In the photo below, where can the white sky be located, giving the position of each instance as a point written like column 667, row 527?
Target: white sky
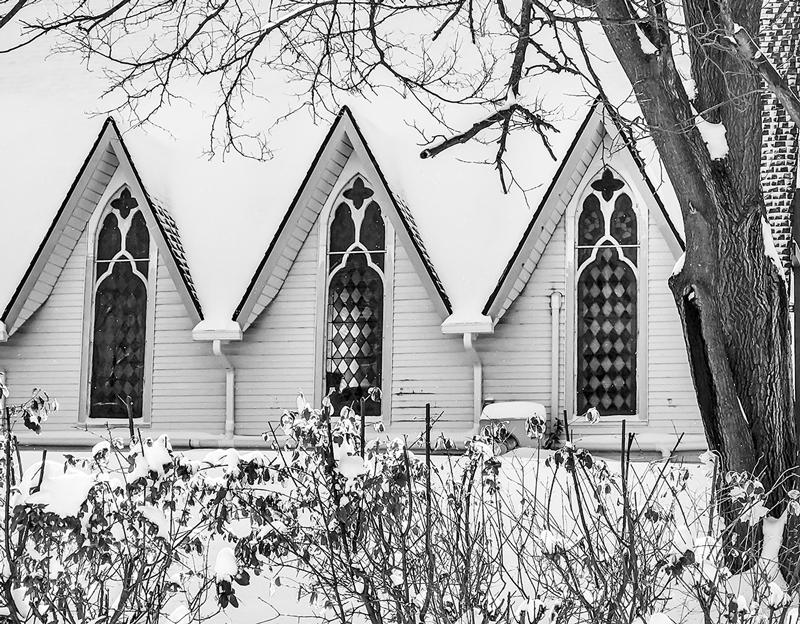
column 228, row 209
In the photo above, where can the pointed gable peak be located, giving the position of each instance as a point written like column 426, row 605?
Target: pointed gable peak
column 88, row 194
column 599, row 123
column 344, row 139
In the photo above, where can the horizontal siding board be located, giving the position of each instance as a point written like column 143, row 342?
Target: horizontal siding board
column 427, row 365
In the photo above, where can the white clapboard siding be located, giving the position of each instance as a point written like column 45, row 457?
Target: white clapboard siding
column 672, row 403
column 188, row 386
column 276, row 358
column 46, row 351
column 427, row 366
column 69, row 236
column 305, row 219
column 516, row 358
column 563, row 190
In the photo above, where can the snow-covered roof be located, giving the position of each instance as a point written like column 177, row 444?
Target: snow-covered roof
column 573, row 165
column 343, row 139
column 229, row 208
column 107, row 155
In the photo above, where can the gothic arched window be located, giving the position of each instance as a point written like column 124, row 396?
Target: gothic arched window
column 607, row 246
column 121, row 266
column 355, row 301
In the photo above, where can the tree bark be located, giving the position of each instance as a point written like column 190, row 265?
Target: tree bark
column 731, row 298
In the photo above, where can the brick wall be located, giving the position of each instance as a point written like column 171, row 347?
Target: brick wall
column 780, row 39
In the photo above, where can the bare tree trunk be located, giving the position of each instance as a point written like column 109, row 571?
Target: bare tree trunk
column 734, row 308
column 731, row 298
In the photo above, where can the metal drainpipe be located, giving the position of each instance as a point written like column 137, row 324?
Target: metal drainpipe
column 477, row 379
column 230, row 380
column 555, row 309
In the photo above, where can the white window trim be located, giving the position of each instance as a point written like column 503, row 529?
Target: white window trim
column 113, row 189
column 352, row 170
column 571, row 313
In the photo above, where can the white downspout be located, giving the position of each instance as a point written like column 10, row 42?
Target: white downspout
column 477, row 379
column 555, row 310
column 230, row 382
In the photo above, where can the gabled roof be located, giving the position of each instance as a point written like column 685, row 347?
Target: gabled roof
column 108, row 153
column 343, row 138
column 553, row 204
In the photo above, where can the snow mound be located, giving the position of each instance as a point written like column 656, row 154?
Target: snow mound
column 714, row 136
column 679, row 264
column 62, row 489
column 769, row 247
column 225, row 567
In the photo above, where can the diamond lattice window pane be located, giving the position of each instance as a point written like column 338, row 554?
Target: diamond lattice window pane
column 120, row 313
column 606, row 333
column 355, row 324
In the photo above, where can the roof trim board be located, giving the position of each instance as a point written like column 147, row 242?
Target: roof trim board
column 107, row 145
column 573, row 162
column 40, row 258
column 169, row 239
column 343, row 136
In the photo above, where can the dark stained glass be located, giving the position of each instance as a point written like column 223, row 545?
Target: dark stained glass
column 358, row 193
column 120, row 313
column 109, row 238
column 373, row 233
column 342, row 234
column 606, row 333
column 607, row 184
column 343, row 230
column 137, row 242
column 623, row 225
column 124, row 203
column 355, row 341
column 590, row 227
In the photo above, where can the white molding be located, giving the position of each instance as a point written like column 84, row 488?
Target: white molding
column 119, row 181
column 42, row 259
column 558, row 194
column 280, row 238
column 601, row 160
column 454, row 324
column 352, row 169
column 387, row 203
column 209, row 334
column 154, row 228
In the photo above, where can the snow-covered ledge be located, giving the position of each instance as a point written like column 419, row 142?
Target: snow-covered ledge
column 463, row 323
column 208, row 331
column 3, row 332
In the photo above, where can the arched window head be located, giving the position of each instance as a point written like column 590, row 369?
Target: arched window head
column 122, row 263
column 607, row 246
column 356, row 260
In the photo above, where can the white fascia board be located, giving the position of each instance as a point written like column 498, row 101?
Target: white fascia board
column 202, row 332
column 459, row 324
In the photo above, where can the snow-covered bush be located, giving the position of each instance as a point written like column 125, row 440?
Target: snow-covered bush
column 122, row 535
column 383, row 531
column 380, row 533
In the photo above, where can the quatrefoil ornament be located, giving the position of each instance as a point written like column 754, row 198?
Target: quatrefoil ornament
column 607, row 184
column 358, row 193
column 124, row 203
